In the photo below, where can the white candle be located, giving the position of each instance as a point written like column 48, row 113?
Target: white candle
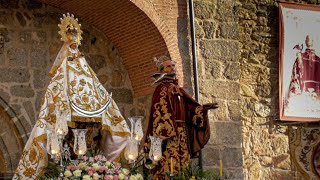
column 80, row 152
column 171, row 165
column 155, row 157
column 220, row 168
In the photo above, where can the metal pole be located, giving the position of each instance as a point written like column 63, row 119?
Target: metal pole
column 194, row 58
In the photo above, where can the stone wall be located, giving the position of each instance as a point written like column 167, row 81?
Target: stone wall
column 266, row 151
column 266, row 155
column 31, row 45
column 219, row 81
column 238, row 68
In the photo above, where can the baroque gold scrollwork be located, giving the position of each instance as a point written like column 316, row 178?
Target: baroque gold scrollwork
column 30, row 163
column 163, row 118
column 198, row 119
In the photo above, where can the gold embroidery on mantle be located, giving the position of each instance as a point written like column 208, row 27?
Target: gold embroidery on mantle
column 163, row 124
column 198, row 118
column 174, row 89
column 86, row 119
column 114, row 133
column 30, row 165
column 177, row 149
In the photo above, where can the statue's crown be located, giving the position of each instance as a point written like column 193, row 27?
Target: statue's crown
column 70, row 29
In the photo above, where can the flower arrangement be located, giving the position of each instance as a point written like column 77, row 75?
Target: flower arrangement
column 98, row 167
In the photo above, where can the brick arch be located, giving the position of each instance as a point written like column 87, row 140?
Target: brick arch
column 134, row 28
column 11, row 138
column 164, row 30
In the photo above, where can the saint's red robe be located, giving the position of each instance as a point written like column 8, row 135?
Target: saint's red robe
column 181, row 122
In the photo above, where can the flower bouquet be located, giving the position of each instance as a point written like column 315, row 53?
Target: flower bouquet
column 96, row 168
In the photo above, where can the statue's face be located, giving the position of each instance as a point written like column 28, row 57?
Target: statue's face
column 73, row 46
column 169, row 67
column 72, row 35
column 309, row 41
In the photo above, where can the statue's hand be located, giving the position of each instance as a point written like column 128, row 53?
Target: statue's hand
column 210, row 106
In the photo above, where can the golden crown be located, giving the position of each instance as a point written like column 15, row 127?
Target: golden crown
column 70, row 29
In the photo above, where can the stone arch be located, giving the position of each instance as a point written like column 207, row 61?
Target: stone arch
column 135, row 29
column 3, row 169
column 5, row 159
column 12, row 138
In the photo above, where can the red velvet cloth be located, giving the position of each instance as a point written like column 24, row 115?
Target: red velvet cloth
column 180, row 121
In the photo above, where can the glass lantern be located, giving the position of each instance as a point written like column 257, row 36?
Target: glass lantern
column 53, row 146
column 132, row 123
column 131, row 151
column 155, row 153
column 138, row 132
column 61, row 123
column 80, row 145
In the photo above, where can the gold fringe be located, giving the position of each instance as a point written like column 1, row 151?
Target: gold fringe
column 114, row 133
column 42, row 152
column 86, row 119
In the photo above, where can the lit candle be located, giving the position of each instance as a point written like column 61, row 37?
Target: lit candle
column 220, row 168
column 59, row 131
column 80, row 152
column 171, row 166
column 53, row 151
column 155, row 157
column 130, row 156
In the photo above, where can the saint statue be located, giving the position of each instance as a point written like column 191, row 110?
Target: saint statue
column 180, row 121
column 76, row 93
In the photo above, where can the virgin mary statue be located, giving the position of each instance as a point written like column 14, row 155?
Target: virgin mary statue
column 77, row 95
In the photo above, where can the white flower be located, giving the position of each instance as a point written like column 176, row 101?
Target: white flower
column 139, row 176
column 86, row 177
column 96, row 176
column 121, row 176
column 68, row 173
column 125, row 171
column 77, row 173
column 82, row 166
column 132, row 177
column 96, row 166
column 108, row 163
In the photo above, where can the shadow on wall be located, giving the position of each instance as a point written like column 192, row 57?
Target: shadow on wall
column 183, row 44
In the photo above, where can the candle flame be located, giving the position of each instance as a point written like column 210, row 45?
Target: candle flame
column 130, row 156
column 59, row 131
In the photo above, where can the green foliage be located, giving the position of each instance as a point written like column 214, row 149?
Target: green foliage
column 51, row 171
column 137, row 166
column 193, row 170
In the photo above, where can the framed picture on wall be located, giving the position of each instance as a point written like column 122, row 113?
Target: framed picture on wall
column 299, row 66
